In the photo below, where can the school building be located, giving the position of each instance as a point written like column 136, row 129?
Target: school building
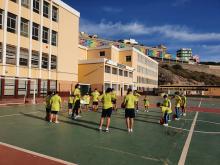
column 109, row 66
column 38, row 47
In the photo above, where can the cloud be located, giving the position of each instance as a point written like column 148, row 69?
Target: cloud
column 109, row 9
column 180, row 2
column 214, row 49
column 175, row 32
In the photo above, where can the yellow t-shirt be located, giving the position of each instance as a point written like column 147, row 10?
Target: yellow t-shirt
column 183, row 103
column 55, row 102
column 178, row 101
column 77, row 94
column 167, row 103
column 137, row 95
column 95, row 96
column 70, row 100
column 86, row 98
column 114, row 95
column 166, row 109
column 107, row 100
column 129, row 101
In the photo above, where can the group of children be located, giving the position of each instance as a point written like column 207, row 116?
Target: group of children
column 130, row 103
column 166, row 107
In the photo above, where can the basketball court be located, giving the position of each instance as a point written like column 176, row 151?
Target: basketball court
column 26, row 138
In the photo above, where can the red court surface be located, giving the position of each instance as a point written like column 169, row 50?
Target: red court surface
column 10, row 155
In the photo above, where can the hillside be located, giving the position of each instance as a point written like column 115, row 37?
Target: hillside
column 187, row 75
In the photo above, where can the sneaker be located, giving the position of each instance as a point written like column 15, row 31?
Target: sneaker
column 57, row 122
column 147, row 111
column 78, row 116
column 106, row 130
column 50, row 121
column 184, row 114
column 100, row 129
column 169, row 120
column 131, row 130
column 137, row 111
column 177, row 118
column 165, row 125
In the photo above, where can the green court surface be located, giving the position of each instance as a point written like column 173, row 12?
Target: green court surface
column 80, row 142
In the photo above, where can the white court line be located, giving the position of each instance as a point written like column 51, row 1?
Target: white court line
column 37, row 154
column 189, row 138
column 187, row 143
column 131, row 154
column 205, row 121
column 195, row 131
column 17, row 114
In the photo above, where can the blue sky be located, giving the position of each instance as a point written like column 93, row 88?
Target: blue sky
column 175, row 23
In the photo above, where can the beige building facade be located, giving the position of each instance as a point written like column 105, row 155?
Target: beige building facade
column 117, row 68
column 38, row 44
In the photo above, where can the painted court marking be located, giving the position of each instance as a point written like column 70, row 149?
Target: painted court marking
column 189, row 138
column 37, row 154
column 128, row 153
column 17, row 114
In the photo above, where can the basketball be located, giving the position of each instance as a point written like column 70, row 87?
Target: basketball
column 161, row 121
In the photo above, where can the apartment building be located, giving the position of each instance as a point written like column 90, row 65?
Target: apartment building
column 101, row 69
column 38, row 46
column 109, row 66
column 146, row 69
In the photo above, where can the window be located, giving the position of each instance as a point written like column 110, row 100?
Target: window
column 35, row 59
column 45, row 35
column 14, row 1
column 128, row 58
column 9, row 87
column 46, row 8
column 114, row 71
column 25, row 3
column 22, row 86
column 53, row 62
column 11, row 23
column 54, row 38
column 44, row 61
column 101, row 54
column 125, row 87
column 120, row 72
column 1, row 18
column 24, row 27
column 126, row 73
column 55, row 14
column 130, row 74
column 0, row 52
column 43, row 88
column 10, row 54
column 23, row 61
column 36, row 6
column 35, row 31
column 107, row 69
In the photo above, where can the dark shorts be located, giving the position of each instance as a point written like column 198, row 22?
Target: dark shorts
column 70, row 106
column 54, row 112
column 107, row 112
column 114, row 101
column 48, row 110
column 129, row 113
column 95, row 103
column 76, row 105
